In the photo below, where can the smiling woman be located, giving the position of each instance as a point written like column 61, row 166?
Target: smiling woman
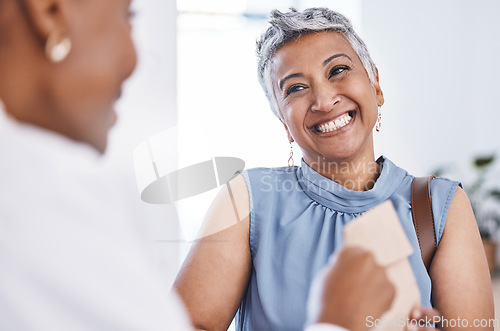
column 323, row 86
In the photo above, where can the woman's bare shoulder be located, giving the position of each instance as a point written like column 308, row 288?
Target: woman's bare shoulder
column 230, row 207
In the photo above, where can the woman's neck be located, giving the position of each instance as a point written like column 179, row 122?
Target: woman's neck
column 356, row 175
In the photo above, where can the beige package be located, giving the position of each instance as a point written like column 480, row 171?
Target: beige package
column 379, row 231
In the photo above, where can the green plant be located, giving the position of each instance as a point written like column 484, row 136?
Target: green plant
column 484, row 199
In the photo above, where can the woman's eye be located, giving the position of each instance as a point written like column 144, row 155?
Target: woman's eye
column 294, row 88
column 337, row 70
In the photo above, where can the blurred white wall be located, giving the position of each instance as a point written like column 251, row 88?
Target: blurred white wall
column 439, row 69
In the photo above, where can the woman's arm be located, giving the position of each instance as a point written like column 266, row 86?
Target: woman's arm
column 461, row 284
column 215, row 273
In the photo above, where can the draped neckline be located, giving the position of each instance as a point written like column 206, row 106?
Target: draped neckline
column 335, row 196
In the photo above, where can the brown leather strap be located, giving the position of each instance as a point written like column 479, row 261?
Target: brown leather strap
column 423, row 219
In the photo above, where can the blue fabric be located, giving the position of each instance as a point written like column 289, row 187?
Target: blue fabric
column 296, row 221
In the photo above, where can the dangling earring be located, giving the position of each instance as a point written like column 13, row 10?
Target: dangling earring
column 57, row 46
column 379, row 121
column 290, row 159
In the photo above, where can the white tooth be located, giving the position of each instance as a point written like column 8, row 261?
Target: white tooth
column 333, row 126
column 321, row 128
column 338, row 123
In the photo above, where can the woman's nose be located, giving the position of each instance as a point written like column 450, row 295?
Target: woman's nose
column 325, row 99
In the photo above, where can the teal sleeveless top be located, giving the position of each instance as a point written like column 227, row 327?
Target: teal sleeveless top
column 296, row 221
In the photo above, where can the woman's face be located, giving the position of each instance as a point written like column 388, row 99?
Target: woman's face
column 88, row 82
column 327, row 102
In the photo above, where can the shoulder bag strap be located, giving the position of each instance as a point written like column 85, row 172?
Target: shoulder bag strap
column 423, row 219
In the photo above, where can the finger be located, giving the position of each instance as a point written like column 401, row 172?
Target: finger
column 347, row 252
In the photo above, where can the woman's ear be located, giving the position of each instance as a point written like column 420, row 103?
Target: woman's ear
column 46, row 16
column 378, row 91
column 290, row 138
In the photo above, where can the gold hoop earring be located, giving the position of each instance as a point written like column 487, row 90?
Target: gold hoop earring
column 290, row 159
column 379, row 121
column 57, row 46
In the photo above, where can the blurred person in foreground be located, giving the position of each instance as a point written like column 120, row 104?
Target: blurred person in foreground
column 70, row 257
column 324, row 87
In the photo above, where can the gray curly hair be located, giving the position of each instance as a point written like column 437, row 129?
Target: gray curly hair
column 293, row 24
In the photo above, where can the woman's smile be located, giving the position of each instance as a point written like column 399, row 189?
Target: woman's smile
column 334, row 126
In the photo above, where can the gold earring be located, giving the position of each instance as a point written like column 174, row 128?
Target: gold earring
column 379, row 121
column 57, row 46
column 290, row 159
